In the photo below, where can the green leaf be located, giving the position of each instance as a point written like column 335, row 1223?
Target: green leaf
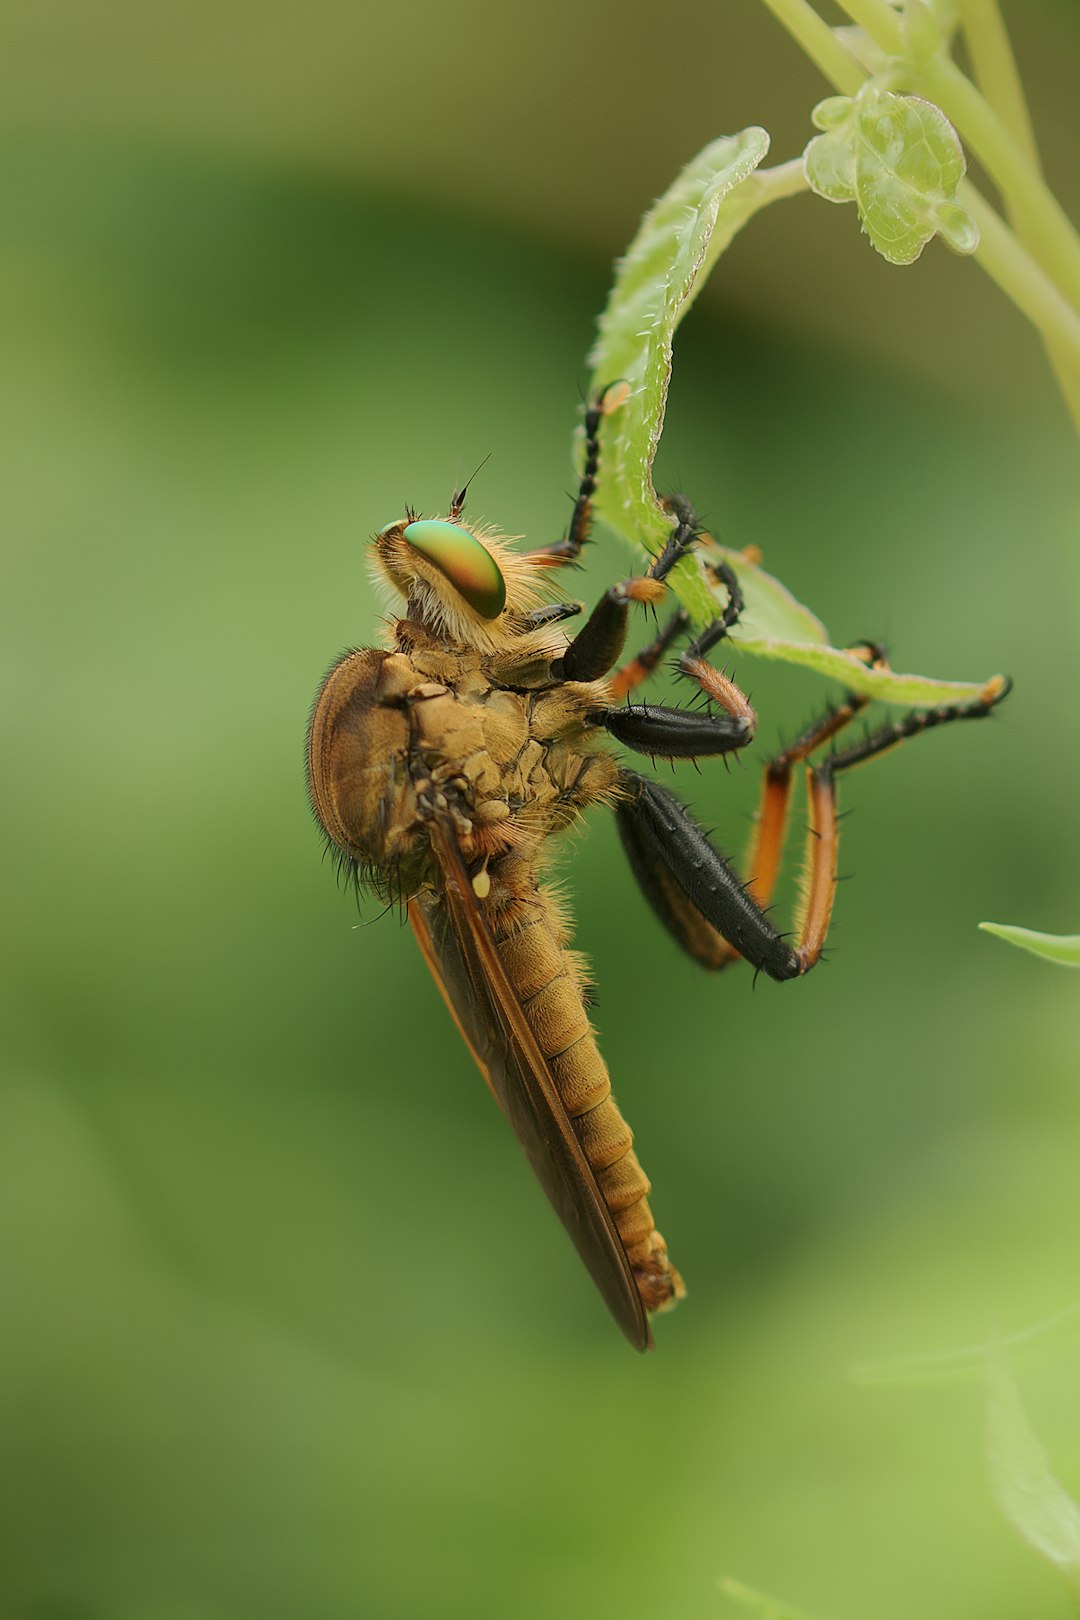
column 900, row 161
column 1061, row 948
column 1028, row 1494
column 679, row 240
column 771, row 614
column 774, row 625
column 758, row 1602
column 655, row 285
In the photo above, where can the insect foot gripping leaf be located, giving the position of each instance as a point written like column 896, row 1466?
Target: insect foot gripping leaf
column 900, row 161
column 679, row 241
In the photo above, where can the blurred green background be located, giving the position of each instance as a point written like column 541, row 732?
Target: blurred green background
column 287, row 1328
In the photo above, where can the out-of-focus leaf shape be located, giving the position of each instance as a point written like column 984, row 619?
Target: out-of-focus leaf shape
column 759, row 1603
column 937, row 1365
column 1061, row 948
column 678, row 241
column 1032, row 1500
column 900, row 161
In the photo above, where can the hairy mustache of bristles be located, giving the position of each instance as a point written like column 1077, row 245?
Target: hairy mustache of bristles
column 400, row 571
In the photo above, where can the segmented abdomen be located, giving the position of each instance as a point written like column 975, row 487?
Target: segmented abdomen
column 549, row 980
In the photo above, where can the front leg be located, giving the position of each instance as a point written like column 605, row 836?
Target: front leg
column 660, row 732
column 569, row 550
column 598, row 645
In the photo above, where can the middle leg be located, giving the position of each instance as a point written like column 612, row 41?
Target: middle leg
column 672, row 900
column 709, row 937
column 598, row 645
column 653, row 729
column 693, row 888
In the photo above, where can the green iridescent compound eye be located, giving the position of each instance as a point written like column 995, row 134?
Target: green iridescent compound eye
column 469, row 566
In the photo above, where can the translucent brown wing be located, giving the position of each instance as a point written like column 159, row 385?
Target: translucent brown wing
column 460, row 950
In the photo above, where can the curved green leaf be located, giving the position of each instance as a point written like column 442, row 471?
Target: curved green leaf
column 655, row 285
column 1061, row 948
column 679, row 240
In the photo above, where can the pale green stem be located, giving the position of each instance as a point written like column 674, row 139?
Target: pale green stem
column 819, row 43
column 880, row 21
column 1007, row 262
column 996, row 72
column 1053, row 240
column 1051, row 235
column 1027, row 277
column 784, row 179
column 999, row 80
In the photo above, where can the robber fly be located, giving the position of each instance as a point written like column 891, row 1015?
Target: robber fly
column 441, row 765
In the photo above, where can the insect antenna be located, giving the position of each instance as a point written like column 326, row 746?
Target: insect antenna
column 457, row 499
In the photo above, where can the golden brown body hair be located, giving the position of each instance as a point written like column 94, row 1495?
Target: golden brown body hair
column 485, row 731
column 441, row 768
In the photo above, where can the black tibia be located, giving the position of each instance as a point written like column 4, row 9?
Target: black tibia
column 599, row 642
column 686, row 880
column 649, row 728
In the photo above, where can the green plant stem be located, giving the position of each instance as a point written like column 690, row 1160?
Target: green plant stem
column 783, row 179
column 880, row 21
column 1051, row 235
column 1022, row 272
column 999, row 80
column 819, row 43
column 996, row 72
column 1052, row 238
column 1040, row 222
column 1008, row 262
